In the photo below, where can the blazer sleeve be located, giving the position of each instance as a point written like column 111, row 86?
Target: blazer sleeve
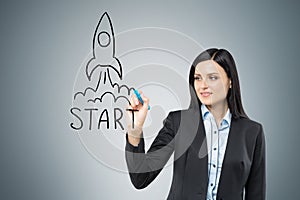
column 255, row 188
column 144, row 167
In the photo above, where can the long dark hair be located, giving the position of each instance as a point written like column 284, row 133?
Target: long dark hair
column 226, row 61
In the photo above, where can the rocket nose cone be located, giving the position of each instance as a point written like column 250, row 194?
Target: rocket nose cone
column 104, row 32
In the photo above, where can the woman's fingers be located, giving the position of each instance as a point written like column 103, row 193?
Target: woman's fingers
column 134, row 102
column 137, row 114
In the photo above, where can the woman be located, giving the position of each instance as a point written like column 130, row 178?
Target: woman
column 219, row 153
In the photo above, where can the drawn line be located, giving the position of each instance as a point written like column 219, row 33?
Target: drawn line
column 111, row 43
column 89, row 88
column 118, row 86
column 115, row 99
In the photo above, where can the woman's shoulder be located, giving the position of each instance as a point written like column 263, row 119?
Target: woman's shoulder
column 249, row 124
column 249, row 121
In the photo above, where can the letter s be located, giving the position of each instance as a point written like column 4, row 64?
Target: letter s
column 81, row 122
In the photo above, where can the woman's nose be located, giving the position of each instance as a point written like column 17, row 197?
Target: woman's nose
column 203, row 84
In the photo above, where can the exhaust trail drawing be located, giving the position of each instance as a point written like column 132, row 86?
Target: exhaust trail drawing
column 154, row 60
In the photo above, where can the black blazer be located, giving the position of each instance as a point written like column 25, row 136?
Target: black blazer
column 243, row 170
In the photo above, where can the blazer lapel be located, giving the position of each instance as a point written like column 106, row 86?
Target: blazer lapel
column 230, row 150
column 196, row 170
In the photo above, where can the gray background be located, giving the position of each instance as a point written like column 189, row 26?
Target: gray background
column 44, row 43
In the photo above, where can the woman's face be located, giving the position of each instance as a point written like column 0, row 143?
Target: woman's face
column 211, row 83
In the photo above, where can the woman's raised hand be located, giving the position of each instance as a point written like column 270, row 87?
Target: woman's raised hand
column 136, row 116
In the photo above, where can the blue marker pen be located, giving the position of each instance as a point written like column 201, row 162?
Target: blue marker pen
column 139, row 97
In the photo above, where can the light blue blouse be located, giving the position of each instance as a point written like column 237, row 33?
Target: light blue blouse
column 216, row 145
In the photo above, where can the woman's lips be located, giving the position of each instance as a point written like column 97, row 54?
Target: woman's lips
column 205, row 94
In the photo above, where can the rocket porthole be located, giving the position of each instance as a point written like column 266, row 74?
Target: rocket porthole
column 103, row 39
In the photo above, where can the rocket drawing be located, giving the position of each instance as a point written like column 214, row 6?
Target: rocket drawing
column 104, row 49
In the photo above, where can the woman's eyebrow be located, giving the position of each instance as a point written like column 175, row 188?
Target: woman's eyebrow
column 213, row 73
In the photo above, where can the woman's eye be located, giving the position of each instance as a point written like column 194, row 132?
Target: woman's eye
column 197, row 78
column 213, row 78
